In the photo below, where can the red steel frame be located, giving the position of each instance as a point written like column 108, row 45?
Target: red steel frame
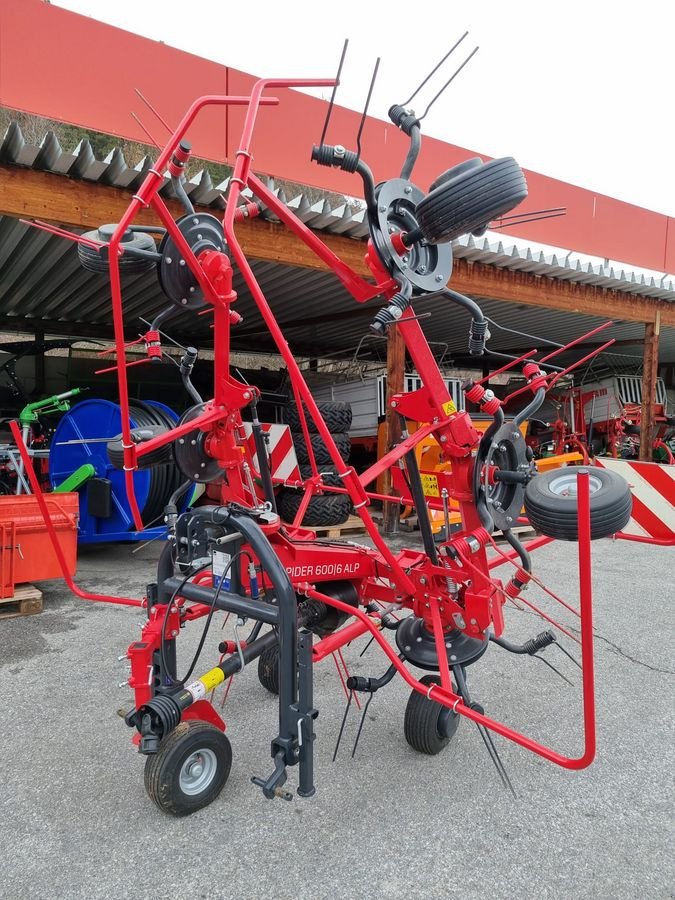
column 407, row 579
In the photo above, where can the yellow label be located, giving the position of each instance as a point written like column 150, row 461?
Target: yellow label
column 430, row 485
column 212, row 679
column 449, row 408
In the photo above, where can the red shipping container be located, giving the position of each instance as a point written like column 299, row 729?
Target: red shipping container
column 26, row 551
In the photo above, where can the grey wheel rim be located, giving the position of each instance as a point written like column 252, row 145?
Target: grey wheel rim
column 197, row 772
column 565, row 485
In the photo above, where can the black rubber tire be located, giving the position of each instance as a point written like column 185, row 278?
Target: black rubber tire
column 323, row 510
column 97, row 261
column 268, row 669
column 321, row 455
column 428, row 726
column 162, row 769
column 467, row 197
column 551, row 503
column 336, row 414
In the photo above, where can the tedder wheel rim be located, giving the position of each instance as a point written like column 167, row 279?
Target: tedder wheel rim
column 565, row 484
column 198, row 771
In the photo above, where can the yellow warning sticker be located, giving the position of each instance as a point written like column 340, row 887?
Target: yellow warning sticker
column 430, row 485
column 449, row 408
column 212, row 679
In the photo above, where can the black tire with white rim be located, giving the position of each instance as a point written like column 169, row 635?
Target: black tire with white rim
column 552, row 507
column 190, row 769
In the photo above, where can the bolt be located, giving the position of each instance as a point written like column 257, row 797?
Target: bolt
column 394, row 404
column 422, row 270
column 174, row 633
column 473, row 622
column 407, row 649
column 407, row 189
column 183, row 300
column 453, row 657
column 168, row 260
column 449, row 644
column 382, row 208
column 509, row 518
column 391, row 229
column 181, row 440
column 438, row 278
column 419, row 640
column 515, row 435
column 192, row 289
column 195, row 221
column 443, row 439
column 405, row 259
column 246, row 395
column 181, row 262
column 199, row 237
column 196, row 475
column 203, row 465
column 423, row 579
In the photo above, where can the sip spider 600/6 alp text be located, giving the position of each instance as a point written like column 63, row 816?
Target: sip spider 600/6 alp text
column 306, row 599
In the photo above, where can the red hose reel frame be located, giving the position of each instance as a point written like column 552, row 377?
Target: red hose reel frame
column 409, row 577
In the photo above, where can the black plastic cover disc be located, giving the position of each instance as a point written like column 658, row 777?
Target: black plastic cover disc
column 202, row 231
column 426, row 266
column 419, row 647
column 190, row 455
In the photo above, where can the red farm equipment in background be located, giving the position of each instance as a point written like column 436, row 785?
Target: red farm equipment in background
column 437, row 608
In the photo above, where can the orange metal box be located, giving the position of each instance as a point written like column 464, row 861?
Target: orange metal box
column 26, row 552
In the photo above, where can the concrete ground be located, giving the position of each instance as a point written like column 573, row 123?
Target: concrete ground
column 75, row 821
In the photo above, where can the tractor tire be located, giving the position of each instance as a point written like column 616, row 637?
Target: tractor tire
column 190, row 769
column 336, row 415
column 322, row 511
column 469, row 196
column 428, row 725
column 551, row 503
column 321, row 454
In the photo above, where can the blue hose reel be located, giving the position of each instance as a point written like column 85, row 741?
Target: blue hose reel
column 105, row 511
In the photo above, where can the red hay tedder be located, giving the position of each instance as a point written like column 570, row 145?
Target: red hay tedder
column 307, row 599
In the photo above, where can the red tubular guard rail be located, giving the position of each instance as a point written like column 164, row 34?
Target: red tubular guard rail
column 448, row 698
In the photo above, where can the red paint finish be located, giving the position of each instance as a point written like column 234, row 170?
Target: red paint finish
column 79, row 92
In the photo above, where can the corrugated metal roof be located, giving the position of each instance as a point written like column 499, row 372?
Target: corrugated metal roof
column 41, row 279
column 340, row 218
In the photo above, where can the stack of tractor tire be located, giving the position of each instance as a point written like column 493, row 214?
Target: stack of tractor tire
column 325, row 509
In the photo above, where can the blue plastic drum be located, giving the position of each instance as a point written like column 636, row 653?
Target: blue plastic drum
column 89, row 422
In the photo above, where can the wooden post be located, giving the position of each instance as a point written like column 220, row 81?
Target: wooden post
column 395, row 377
column 650, row 371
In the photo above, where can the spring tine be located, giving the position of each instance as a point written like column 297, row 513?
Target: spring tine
column 494, row 755
column 551, row 666
column 342, row 727
column 363, row 718
column 567, row 653
column 367, row 645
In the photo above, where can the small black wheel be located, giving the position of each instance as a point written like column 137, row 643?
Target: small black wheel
column 428, row 725
column 321, row 454
column 190, row 769
column 268, row 669
column 469, row 196
column 551, row 503
column 97, row 261
column 336, row 414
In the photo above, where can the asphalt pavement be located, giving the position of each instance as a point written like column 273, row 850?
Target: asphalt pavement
column 75, row 821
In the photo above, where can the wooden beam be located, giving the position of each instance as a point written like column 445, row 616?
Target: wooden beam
column 26, row 193
column 650, row 371
column 392, row 428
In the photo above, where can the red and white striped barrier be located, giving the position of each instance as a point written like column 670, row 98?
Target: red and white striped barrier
column 652, row 485
column 283, row 461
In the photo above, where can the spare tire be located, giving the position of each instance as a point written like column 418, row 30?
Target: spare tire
column 551, row 503
column 322, row 510
column 321, row 454
column 336, row 414
column 468, row 196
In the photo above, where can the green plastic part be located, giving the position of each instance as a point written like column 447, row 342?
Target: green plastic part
column 55, row 403
column 76, row 480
